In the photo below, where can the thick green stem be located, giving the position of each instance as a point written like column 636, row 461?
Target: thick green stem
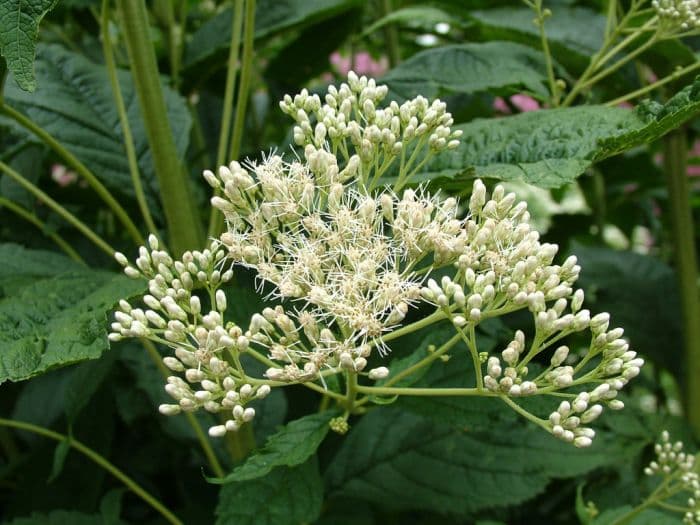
column 124, row 120
column 55, row 206
column 30, row 217
column 99, row 460
column 391, row 36
column 675, row 150
column 184, row 226
column 80, row 168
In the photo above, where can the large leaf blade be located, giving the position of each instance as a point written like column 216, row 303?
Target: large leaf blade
column 19, row 28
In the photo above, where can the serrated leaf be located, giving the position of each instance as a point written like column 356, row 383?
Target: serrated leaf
column 286, row 496
column 271, row 16
column 74, row 103
column 469, row 68
column 21, row 267
column 289, row 447
column 19, row 28
column 641, row 294
column 658, row 120
column 391, row 453
column 58, row 321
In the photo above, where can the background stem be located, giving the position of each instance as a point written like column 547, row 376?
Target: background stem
column 675, row 151
column 184, row 225
column 100, row 460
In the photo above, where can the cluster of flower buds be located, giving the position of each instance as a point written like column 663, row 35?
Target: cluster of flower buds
column 201, row 341
column 678, row 14
column 678, row 470
column 351, row 121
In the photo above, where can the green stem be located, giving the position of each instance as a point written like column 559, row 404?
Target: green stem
column 520, row 410
column 99, row 460
column 391, row 35
column 124, row 120
column 215, row 218
column 439, row 315
column 675, row 150
column 191, row 419
column 78, row 166
column 30, row 217
column 646, row 89
column 184, row 224
column 425, row 361
column 541, row 17
column 411, row 391
column 68, row 216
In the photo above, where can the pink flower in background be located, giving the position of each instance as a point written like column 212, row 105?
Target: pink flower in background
column 364, row 64
column 62, row 175
column 522, row 103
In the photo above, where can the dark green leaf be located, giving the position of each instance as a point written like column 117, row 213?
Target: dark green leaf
column 657, row 121
column 647, row 517
column 271, row 16
column 469, row 68
column 390, row 454
column 286, row 496
column 58, row 321
column 59, row 517
column 59, row 459
column 21, row 267
column 641, row 294
column 291, row 446
column 75, row 104
column 19, row 27
column 422, row 16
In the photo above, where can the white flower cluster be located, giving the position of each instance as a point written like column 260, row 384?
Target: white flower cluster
column 353, row 259
column 683, row 14
column 677, row 466
column 352, row 124
column 203, row 344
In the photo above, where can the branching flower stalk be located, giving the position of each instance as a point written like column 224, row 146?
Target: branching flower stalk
column 679, row 486
column 644, row 24
column 347, row 242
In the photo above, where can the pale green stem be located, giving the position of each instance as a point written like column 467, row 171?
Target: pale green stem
column 646, row 89
column 181, row 215
column 191, row 419
column 553, row 89
column 444, row 348
column 68, row 216
column 80, row 168
column 680, row 210
column 124, row 120
column 30, row 217
column 527, row 415
column 233, row 66
column 411, row 391
column 99, row 460
column 439, row 315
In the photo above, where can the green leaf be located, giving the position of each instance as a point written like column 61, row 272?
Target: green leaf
column 647, row 517
column 59, row 459
column 391, row 453
column 59, row 517
column 469, row 68
column 421, row 16
column 58, row 321
column 74, row 103
column 21, row 267
column 641, row 295
column 657, row 120
column 546, row 148
column 568, row 42
column 290, row 447
column 19, row 28
column 271, row 16
column 286, row 496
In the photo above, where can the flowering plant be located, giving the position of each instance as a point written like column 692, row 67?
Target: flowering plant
column 378, row 319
